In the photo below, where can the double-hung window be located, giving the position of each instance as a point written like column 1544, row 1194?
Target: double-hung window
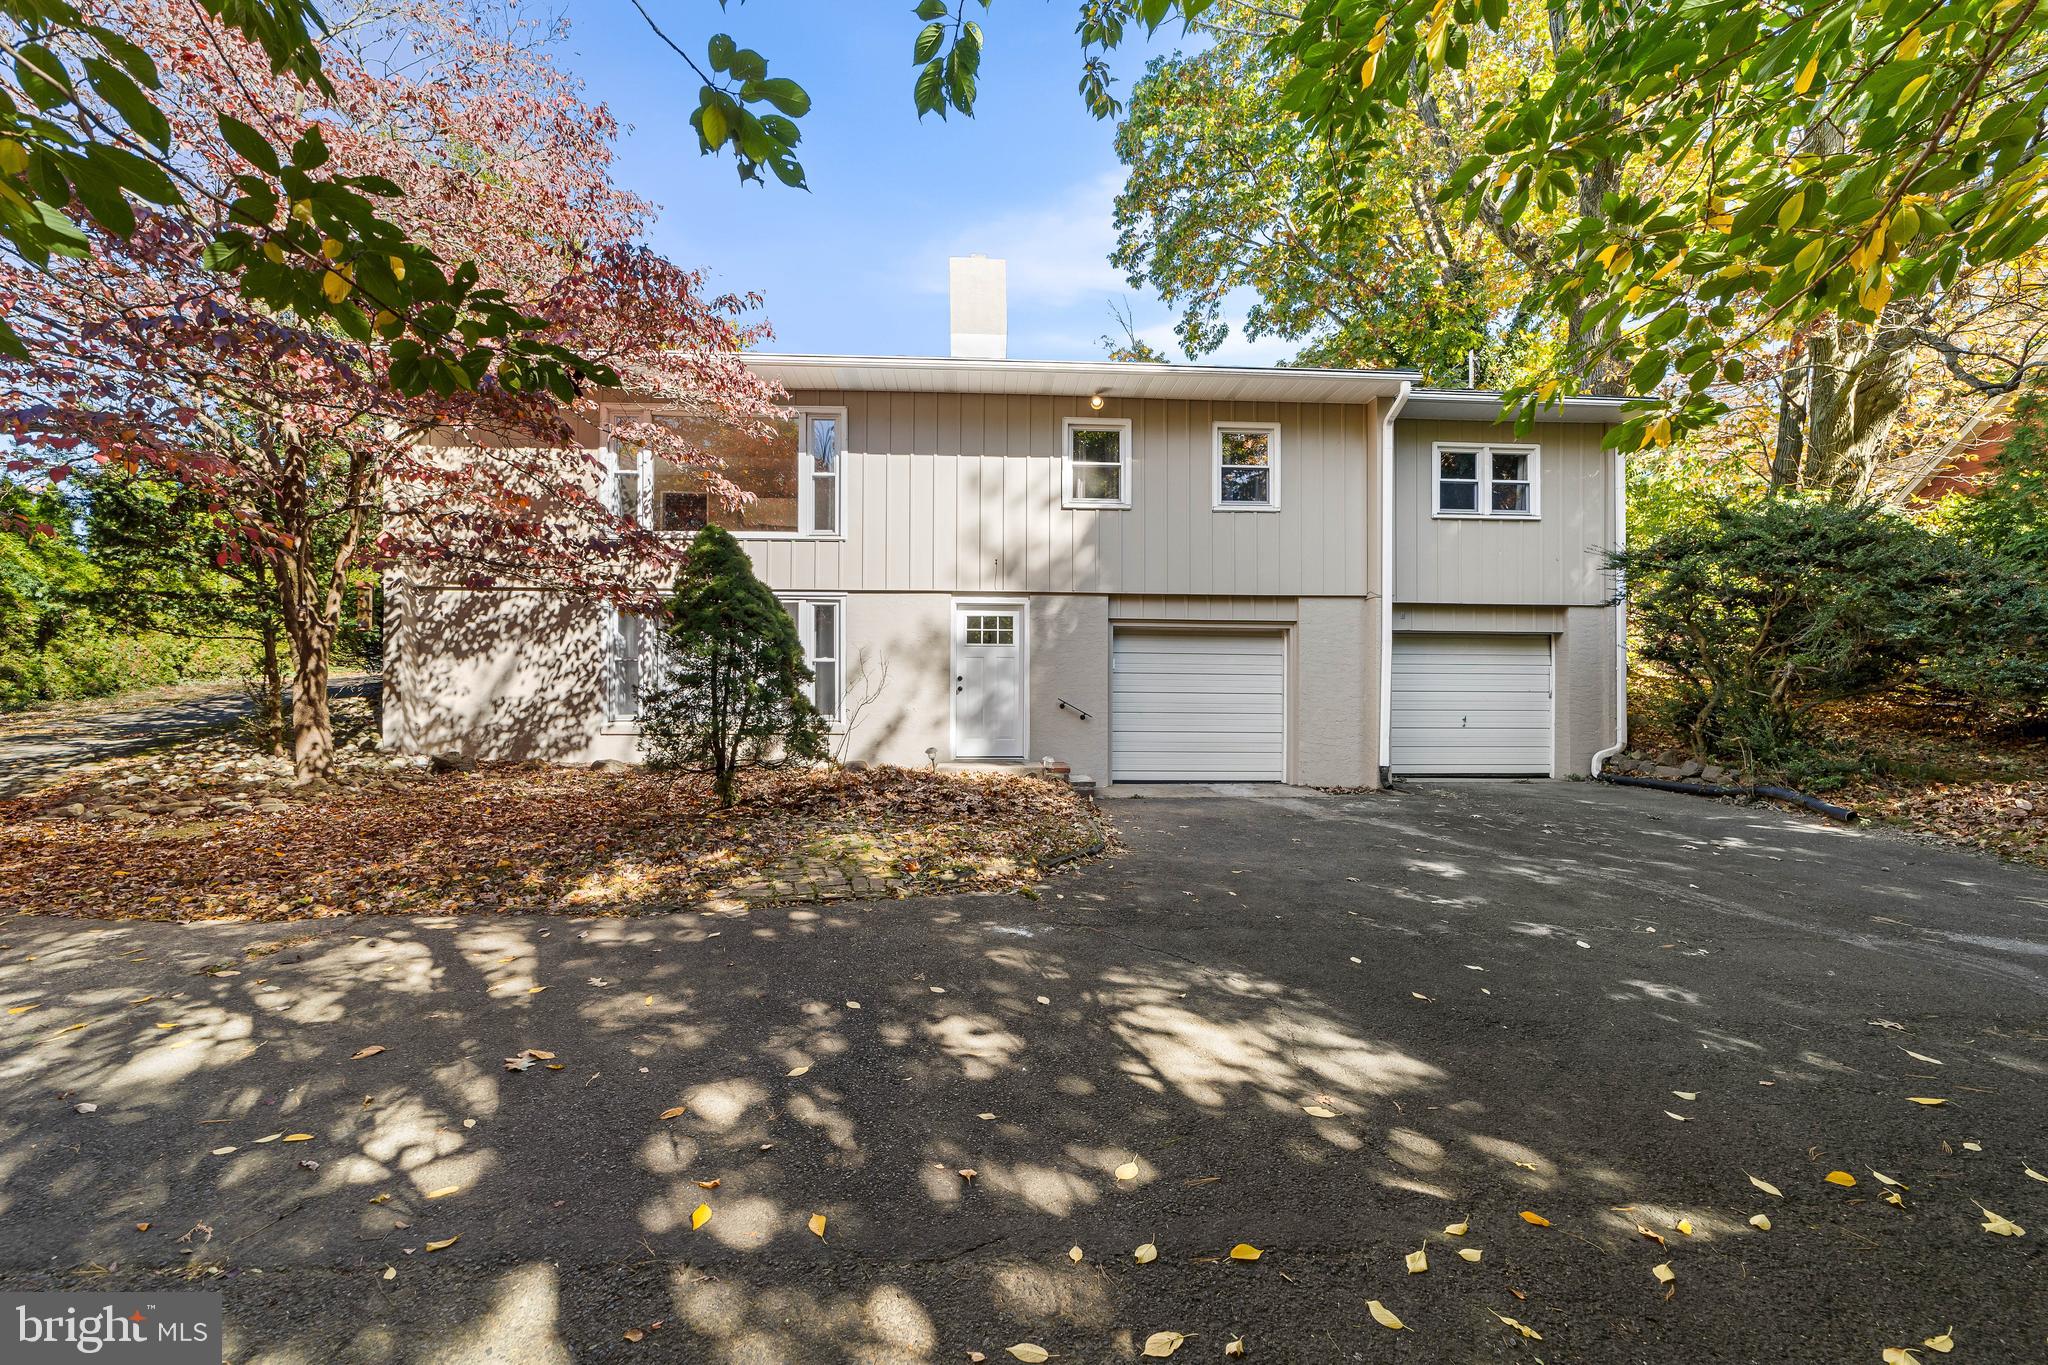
column 819, row 626
column 625, row 663
column 626, row 478
column 1095, row 463
column 1247, row 467
column 1486, row 480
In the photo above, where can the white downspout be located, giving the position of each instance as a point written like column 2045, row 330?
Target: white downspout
column 1387, row 580
column 1620, row 622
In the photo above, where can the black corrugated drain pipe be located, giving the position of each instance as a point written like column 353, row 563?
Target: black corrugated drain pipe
column 1797, row 798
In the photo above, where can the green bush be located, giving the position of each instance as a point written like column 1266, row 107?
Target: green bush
column 1764, row 611
column 728, row 690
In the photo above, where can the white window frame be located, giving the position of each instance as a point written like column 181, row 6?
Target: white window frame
column 642, row 462
column 1484, row 452
column 800, row 608
column 614, row 627
column 1122, row 427
column 1218, row 502
column 806, row 477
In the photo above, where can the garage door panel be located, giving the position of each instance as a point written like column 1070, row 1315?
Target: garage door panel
column 1472, row 705
column 1198, row 707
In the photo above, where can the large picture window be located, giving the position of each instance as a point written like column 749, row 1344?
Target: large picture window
column 794, row 475
column 1486, row 481
column 1096, row 464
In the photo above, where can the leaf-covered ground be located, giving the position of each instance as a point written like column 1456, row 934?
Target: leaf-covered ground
column 192, row 834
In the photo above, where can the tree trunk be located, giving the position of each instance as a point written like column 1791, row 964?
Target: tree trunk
column 273, row 689
column 312, row 721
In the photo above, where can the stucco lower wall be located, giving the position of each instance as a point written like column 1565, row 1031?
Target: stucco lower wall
column 1586, row 662
column 1336, row 692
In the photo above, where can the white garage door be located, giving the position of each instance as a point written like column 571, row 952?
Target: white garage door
column 1196, row 706
column 1476, row 705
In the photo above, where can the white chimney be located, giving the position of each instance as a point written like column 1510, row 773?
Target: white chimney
column 981, row 318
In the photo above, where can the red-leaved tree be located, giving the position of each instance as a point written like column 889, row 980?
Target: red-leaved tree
column 143, row 357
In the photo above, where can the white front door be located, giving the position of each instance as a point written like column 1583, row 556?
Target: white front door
column 988, row 682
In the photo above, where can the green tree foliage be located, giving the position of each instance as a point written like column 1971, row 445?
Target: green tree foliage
column 729, row 683
column 1763, row 611
column 2008, row 518
column 1227, row 192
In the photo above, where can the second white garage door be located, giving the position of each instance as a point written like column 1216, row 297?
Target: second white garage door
column 1198, row 706
column 1472, row 705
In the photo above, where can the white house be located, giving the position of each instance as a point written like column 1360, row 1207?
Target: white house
column 1151, row 572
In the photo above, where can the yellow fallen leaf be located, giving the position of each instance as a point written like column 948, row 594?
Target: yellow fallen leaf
column 709, row 1184
column 1417, row 1261
column 816, row 1224
column 1471, row 1254
column 1669, row 1115
column 1684, row 1225
column 1664, row 1273
column 1536, row 1218
column 1924, row 1099
column 1234, row 1347
column 270, row 1137
column 1127, row 1171
column 24, row 1009
column 1074, row 1255
column 1884, row 1179
column 1527, row 1331
column 633, row 1334
column 1162, row 1344
column 1456, row 1229
column 390, row 1272
column 1760, row 1222
column 1687, row 1094
column 1999, row 1224
column 1923, row 1057
column 297, row 1137
column 1973, row 1146
column 444, row 1191
column 142, row 1227
column 363, row 1052
column 1892, row 1197
column 1317, row 1111
column 1145, row 1254
column 1383, row 1315
column 1766, row 1186
column 222, row 1151
column 535, row 990
column 674, row 1113
column 984, row 1117
column 2033, row 1174
column 444, row 1243
column 799, row 1070
column 967, row 1173
column 1030, row 1352
column 1842, row 1178
column 1899, row 1355
column 1245, row 1251
column 1943, row 1343
column 380, row 1198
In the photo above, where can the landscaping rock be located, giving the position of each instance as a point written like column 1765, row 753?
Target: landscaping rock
column 1692, row 767
column 452, row 763
column 611, row 765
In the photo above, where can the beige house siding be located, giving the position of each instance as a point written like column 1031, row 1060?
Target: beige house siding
column 1203, row 609
column 1490, row 620
column 961, row 493
column 1553, row 560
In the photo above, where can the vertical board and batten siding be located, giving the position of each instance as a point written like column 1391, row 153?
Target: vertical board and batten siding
column 961, row 493
column 1553, row 560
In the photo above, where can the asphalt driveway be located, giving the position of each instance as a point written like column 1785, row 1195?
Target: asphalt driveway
column 1607, row 1008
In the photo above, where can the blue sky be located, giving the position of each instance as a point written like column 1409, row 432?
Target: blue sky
column 858, row 264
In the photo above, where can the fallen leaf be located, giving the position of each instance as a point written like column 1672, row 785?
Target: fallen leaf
column 1944, row 1343
column 297, row 1137
column 1684, row 1225
column 633, row 1334
column 853, row 1004
column 1760, row 1222
column 816, row 1224
column 1529, row 1332
column 363, row 1052
column 380, row 1198
column 1893, row 1197
column 271, row 1137
column 142, row 1227
column 984, row 1117
column 1766, row 1186
column 1842, row 1178
column 2033, row 1174
column 1456, row 1229
column 1145, row 1254
column 24, row 1009
column 709, row 1184
column 2001, row 1225
column 1687, row 1094
column 1417, row 1261
column 1245, row 1251
column 1899, row 1355
column 222, row 1151
column 1653, row 1235
column 1884, row 1179
column 1664, row 1273
column 535, row 990
column 1973, row 1146
column 1161, row 1344
column 967, row 1173
column 1536, row 1218
column 1923, row 1099
column 444, row 1243
column 1028, row 1351
column 1471, row 1254
column 1923, row 1057
column 1234, row 1347
column 800, row 1070
column 1316, row 1111
column 390, row 1272
column 674, row 1113
column 1669, row 1115
column 1127, row 1171
column 1074, row 1255
column 1383, row 1315
column 975, row 1358
column 444, row 1191
column 699, row 1216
